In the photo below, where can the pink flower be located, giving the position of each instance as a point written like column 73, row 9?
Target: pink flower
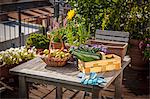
column 65, row 22
column 55, row 24
column 148, row 45
column 141, row 44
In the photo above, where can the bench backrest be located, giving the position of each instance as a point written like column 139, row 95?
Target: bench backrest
column 118, row 36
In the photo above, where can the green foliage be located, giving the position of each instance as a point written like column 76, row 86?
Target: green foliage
column 76, row 32
column 56, row 39
column 89, row 10
column 119, row 15
column 58, row 34
column 144, row 45
column 37, row 40
column 54, row 35
column 131, row 16
column 147, row 53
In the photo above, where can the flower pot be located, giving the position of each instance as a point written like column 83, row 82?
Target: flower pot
column 137, row 59
column 39, row 51
column 56, row 45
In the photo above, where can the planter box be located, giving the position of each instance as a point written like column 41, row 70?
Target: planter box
column 118, row 48
column 4, row 71
column 101, row 65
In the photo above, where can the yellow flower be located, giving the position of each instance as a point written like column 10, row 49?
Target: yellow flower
column 70, row 14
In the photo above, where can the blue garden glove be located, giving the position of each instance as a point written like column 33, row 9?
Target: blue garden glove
column 91, row 79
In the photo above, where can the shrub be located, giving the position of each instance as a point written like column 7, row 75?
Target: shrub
column 37, row 40
column 119, row 15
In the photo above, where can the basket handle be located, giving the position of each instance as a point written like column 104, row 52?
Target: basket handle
column 50, row 43
column 62, row 44
column 61, row 41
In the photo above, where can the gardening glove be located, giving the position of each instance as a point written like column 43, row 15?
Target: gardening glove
column 91, row 79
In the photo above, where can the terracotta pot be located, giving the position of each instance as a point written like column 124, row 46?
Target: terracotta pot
column 137, row 59
column 40, row 51
column 56, row 45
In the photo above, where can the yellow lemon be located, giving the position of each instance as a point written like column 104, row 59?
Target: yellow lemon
column 70, row 14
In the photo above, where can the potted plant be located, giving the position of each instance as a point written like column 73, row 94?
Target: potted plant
column 76, row 32
column 73, row 32
column 139, row 52
column 12, row 57
column 56, row 34
column 56, row 38
column 139, row 35
column 39, row 41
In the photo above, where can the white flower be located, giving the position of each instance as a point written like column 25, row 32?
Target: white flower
column 20, row 60
column 139, row 16
column 2, row 52
column 1, row 57
column 130, row 16
column 25, row 53
column 11, row 49
column 22, row 47
column 16, row 55
column 121, row 25
column 11, row 57
column 30, row 51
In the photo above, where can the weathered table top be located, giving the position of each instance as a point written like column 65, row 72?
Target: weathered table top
column 37, row 68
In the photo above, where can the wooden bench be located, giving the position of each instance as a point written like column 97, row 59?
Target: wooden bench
column 117, row 36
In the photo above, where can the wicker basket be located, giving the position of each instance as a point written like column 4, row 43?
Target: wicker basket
column 53, row 62
column 56, row 62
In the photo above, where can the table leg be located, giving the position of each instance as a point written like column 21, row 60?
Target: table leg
column 23, row 92
column 118, row 86
column 58, row 92
column 96, row 92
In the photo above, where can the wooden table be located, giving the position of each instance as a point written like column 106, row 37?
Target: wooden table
column 36, row 71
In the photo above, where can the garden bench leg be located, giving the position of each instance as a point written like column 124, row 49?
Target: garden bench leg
column 23, row 92
column 118, row 86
